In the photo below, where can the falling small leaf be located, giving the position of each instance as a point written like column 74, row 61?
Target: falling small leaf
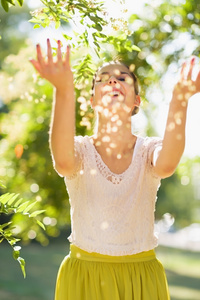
column 19, row 150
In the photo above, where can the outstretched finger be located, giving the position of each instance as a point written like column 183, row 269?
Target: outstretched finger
column 39, row 55
column 191, row 65
column 182, row 74
column 49, row 52
column 59, row 53
column 67, row 56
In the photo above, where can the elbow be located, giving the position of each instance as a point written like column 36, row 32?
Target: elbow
column 165, row 171
column 64, row 168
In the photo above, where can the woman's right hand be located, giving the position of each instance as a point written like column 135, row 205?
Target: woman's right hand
column 56, row 72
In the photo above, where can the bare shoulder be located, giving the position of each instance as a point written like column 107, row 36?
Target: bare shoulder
column 73, row 163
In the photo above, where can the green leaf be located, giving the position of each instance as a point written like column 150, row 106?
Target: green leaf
column 99, row 34
column 97, row 45
column 35, row 20
column 36, row 213
column 81, row 5
column 5, row 225
column 22, row 207
column 67, row 37
column 20, row 2
column 13, row 199
column 18, row 202
column 136, row 48
column 12, row 240
column 41, row 224
column 97, row 26
column 97, row 53
column 6, row 197
column 44, row 25
column 36, row 26
column 2, row 185
column 29, row 207
column 16, row 252
column 22, row 265
column 122, row 37
column 11, row 2
column 93, row 18
column 5, row 5
column 51, row 3
column 128, row 47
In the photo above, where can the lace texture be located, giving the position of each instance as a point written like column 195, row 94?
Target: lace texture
column 111, row 213
column 105, row 172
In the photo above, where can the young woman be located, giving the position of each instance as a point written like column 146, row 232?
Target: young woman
column 112, row 179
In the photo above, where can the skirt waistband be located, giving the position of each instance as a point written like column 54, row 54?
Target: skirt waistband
column 78, row 253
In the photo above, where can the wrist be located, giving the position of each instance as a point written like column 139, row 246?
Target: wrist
column 64, row 92
column 180, row 99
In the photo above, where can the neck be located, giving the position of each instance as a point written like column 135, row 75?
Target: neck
column 114, row 136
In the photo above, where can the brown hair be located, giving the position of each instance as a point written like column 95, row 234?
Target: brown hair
column 136, row 85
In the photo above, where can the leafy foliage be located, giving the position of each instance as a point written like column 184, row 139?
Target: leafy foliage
column 90, row 19
column 11, row 204
column 7, row 3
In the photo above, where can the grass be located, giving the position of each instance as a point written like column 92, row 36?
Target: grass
column 42, row 263
column 183, row 272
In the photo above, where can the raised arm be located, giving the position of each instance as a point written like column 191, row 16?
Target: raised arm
column 166, row 161
column 62, row 127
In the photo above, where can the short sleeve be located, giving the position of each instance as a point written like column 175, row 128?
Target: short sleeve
column 78, row 142
column 78, row 149
column 154, row 146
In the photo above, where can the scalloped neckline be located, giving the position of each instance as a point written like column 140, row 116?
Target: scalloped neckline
column 120, row 175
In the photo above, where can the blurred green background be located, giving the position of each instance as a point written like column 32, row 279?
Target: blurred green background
column 167, row 32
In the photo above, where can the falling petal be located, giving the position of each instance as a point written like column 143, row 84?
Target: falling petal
column 19, row 150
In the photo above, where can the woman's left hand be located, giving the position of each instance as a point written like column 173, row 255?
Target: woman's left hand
column 187, row 85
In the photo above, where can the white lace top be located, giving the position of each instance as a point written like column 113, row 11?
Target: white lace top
column 111, row 213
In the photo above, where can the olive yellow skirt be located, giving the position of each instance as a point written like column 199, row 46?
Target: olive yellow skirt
column 93, row 276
